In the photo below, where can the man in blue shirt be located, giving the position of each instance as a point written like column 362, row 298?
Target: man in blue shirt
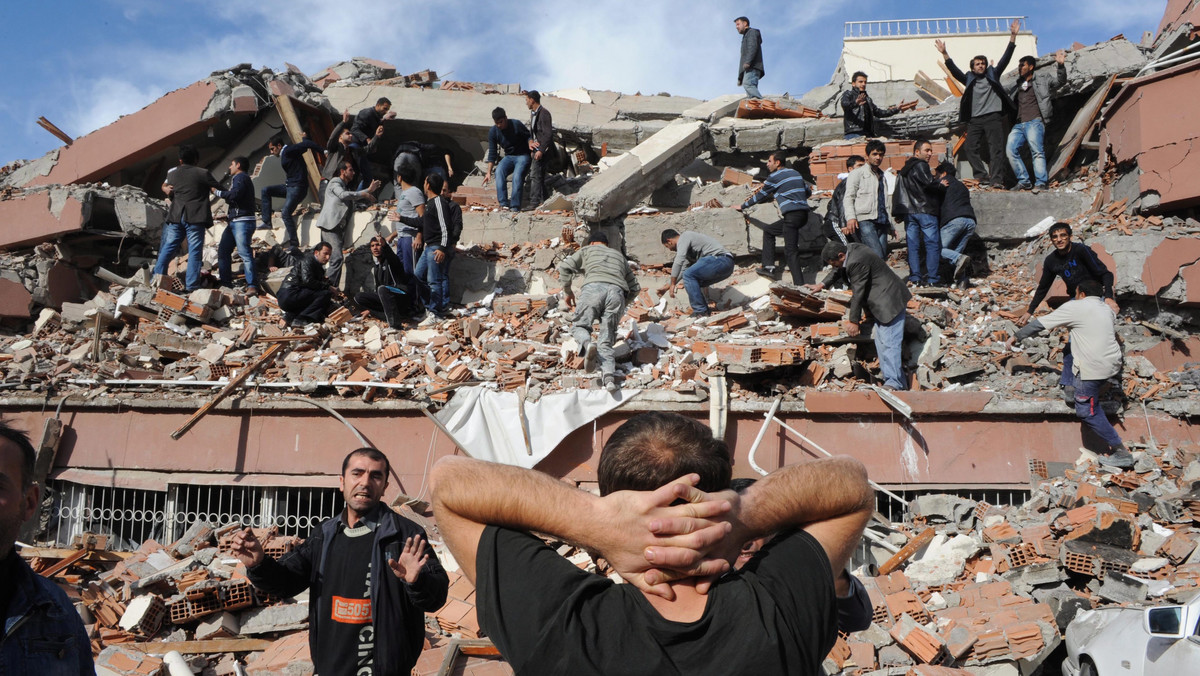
column 513, row 138
column 291, row 156
column 789, row 191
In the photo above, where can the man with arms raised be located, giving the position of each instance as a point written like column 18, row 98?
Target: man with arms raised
column 777, row 615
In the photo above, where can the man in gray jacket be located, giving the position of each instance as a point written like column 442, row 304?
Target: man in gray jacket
column 700, row 261
column 1031, row 95
column 864, row 204
column 608, row 284
column 336, row 212
column 876, row 286
column 750, row 66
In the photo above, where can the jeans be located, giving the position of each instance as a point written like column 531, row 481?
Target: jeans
column 605, row 302
column 516, row 165
column 889, row 344
column 1067, row 379
column 705, row 272
column 990, row 126
column 922, row 229
column 237, row 234
column 293, row 195
column 1032, row 132
column 308, row 304
column 1087, row 409
column 172, row 237
column 875, row 234
column 435, row 279
column 954, row 237
column 851, row 137
column 750, row 83
column 404, row 251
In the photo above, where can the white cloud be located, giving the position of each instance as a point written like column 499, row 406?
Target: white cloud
column 102, row 101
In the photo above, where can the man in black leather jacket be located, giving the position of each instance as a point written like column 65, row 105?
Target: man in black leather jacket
column 916, row 202
column 306, row 294
column 859, row 111
column 395, row 294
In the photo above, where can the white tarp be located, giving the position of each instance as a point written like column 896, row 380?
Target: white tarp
column 487, row 423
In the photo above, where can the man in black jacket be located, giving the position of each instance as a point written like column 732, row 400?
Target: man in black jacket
column 394, row 296
column 750, row 61
column 541, row 146
column 241, row 214
column 439, row 236
column 369, row 574
column 877, row 288
column 983, row 107
column 835, row 215
column 859, row 111
column 305, row 294
column 188, row 188
column 956, row 219
column 294, row 188
column 916, row 202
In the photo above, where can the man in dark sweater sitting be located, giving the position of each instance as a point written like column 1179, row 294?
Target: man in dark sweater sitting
column 305, row 295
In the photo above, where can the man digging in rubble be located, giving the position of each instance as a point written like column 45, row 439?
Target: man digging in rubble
column 513, row 138
column 666, row 521
column 305, row 295
column 789, row 191
column 189, row 215
column 1092, row 324
column 1074, row 262
column 956, row 221
column 881, row 291
column 41, row 632
column 700, row 262
column 608, row 285
column 369, row 574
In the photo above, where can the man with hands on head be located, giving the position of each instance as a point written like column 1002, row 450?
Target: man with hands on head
column 668, row 523
column 369, row 573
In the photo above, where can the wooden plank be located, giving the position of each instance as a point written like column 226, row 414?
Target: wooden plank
column 51, row 553
column 1078, row 131
column 216, row 645
column 951, row 82
column 931, row 86
column 65, row 563
column 291, row 122
column 53, row 129
column 233, row 384
column 47, row 451
column 906, row 552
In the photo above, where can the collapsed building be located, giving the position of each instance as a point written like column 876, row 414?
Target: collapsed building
column 175, row 413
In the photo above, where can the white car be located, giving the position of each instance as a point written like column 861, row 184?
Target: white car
column 1122, row 641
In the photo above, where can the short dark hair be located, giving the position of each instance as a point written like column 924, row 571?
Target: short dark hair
column 277, row 140
column 1060, row 226
column 1091, row 287
column 779, row 156
column 854, row 160
column 382, row 100
column 410, row 173
column 832, row 249
column 370, row 453
column 978, row 57
column 346, row 162
column 28, row 455
column 435, row 183
column 743, row 20
column 243, row 162
column 740, row 485
column 669, row 234
column 534, row 94
column 947, row 167
column 858, row 74
column 498, row 114
column 322, row 245
column 921, row 143
column 188, row 154
column 597, row 237
column 1029, row 60
column 876, row 144
column 655, row 448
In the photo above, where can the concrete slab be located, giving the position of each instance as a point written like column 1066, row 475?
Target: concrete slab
column 38, row 216
column 714, row 109
column 1005, row 216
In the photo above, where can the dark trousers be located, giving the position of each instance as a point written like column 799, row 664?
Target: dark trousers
column 388, row 303
column 804, row 265
column 309, row 304
column 991, row 127
column 537, row 180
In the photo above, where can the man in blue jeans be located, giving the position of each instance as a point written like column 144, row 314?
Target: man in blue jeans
column 188, row 188
column 439, row 236
column 1031, row 95
column 240, row 198
column 513, row 138
column 864, row 203
column 291, row 157
column 917, row 204
column 956, row 219
column 700, row 261
column 750, row 66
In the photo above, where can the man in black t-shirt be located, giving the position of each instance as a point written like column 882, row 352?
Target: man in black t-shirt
column 369, row 574
column 776, row 615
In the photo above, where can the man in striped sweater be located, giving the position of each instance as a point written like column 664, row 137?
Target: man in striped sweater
column 608, row 284
column 789, row 191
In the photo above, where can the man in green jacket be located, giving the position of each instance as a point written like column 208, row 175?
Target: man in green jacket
column 608, row 284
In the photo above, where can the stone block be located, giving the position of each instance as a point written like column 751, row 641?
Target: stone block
column 286, row 617
column 756, row 137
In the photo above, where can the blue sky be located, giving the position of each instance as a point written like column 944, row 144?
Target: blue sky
column 84, row 63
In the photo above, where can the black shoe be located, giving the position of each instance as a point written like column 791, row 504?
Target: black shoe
column 963, row 265
column 1020, row 186
column 1068, row 393
column 300, row 322
column 771, row 272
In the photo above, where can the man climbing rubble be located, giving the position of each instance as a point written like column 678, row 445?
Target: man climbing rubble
column 608, row 285
column 786, row 187
column 549, row 617
column 1073, row 262
column 750, row 61
column 881, row 291
column 700, row 262
column 1098, row 357
column 295, row 187
column 369, row 574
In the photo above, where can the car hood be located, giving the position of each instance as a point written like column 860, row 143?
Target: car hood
column 1089, row 624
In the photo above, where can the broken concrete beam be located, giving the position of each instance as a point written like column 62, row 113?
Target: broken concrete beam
column 286, row 617
column 40, row 215
column 640, row 171
column 1005, row 216
column 222, row 625
column 714, row 109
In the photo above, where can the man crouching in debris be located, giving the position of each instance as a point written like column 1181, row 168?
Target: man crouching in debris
column 608, row 284
column 369, row 575
column 394, row 296
column 1097, row 357
column 666, row 521
column 700, row 262
column 875, row 285
column 305, row 295
column 42, row 633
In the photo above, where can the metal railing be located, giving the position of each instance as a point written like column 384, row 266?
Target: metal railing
column 903, row 28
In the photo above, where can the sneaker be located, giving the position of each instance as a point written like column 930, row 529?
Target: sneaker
column 591, row 358
column 770, row 272
column 1020, row 186
column 1068, row 393
column 300, row 322
column 1117, row 457
column 1040, row 187
column 429, row 319
column 262, row 226
column 610, row 382
column 961, row 266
